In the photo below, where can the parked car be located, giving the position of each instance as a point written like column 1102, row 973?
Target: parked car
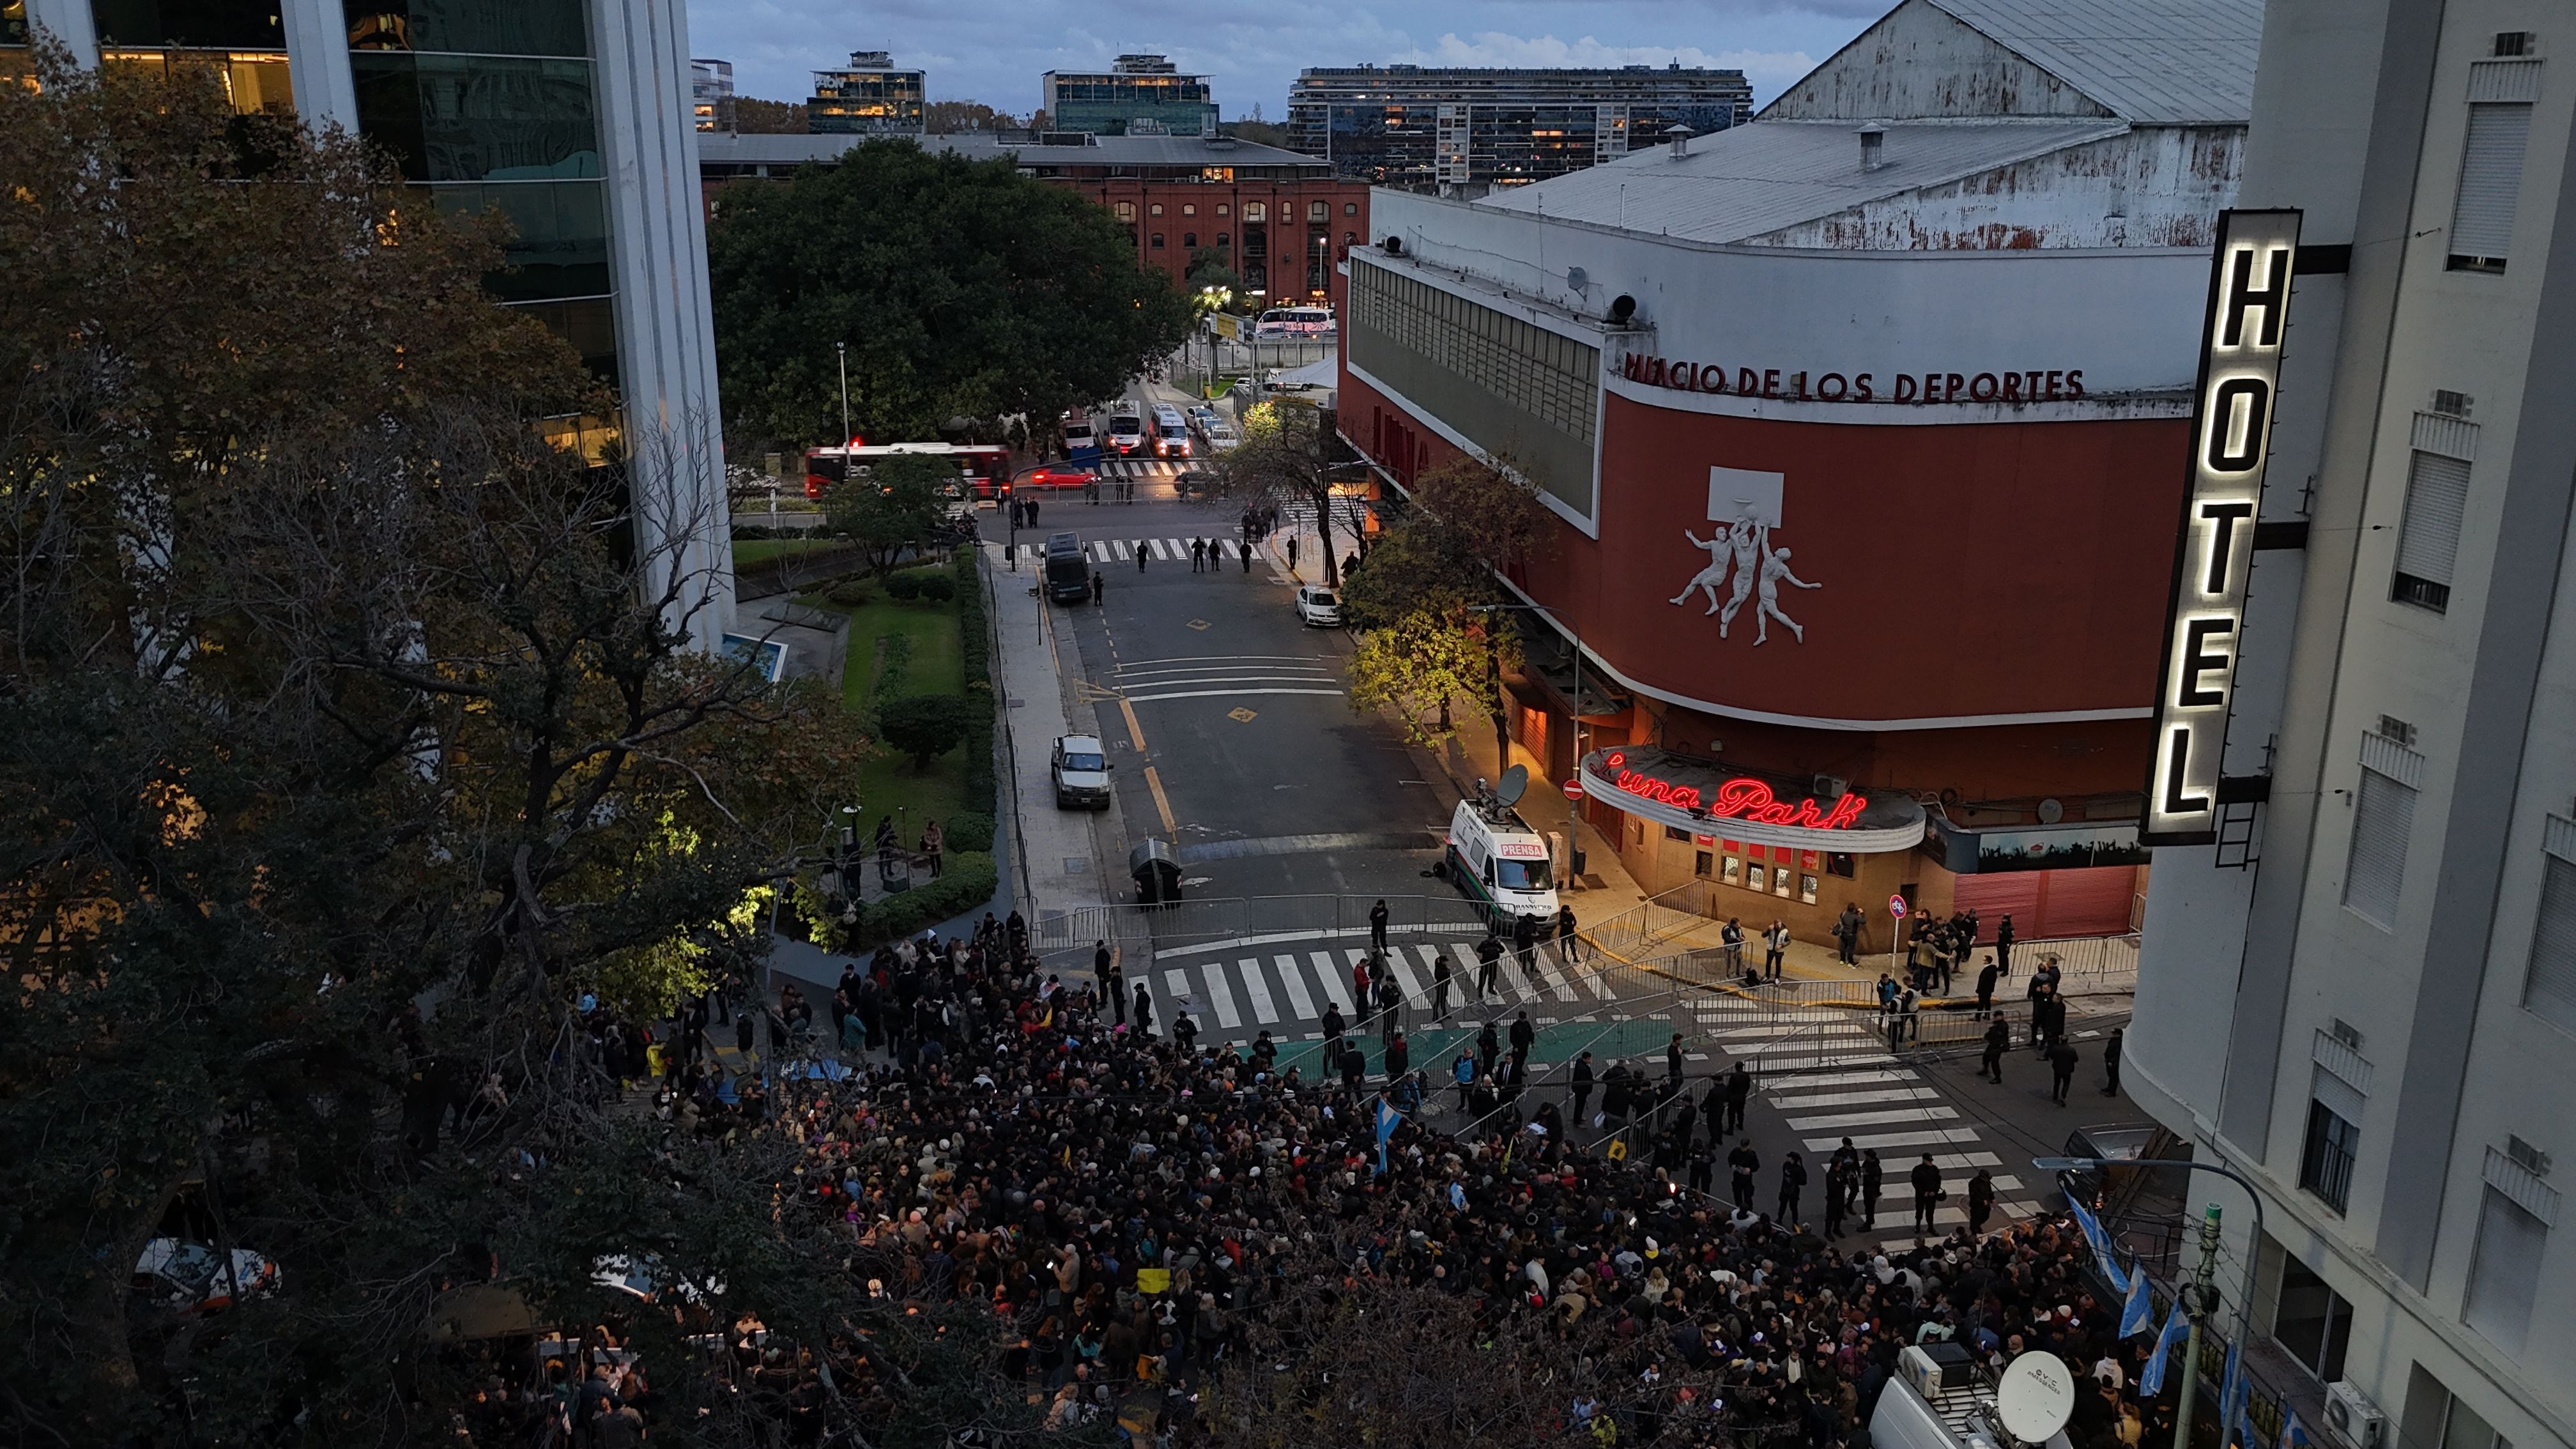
column 1222, row 438
column 1200, row 415
column 1080, row 768
column 190, row 1278
column 1319, row 606
column 1056, row 475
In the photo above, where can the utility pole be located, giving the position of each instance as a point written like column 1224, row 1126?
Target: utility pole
column 2200, row 1291
column 843, row 349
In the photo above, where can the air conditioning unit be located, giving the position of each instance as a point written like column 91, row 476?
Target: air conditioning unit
column 1831, row 787
column 2352, row 1418
column 1934, row 1368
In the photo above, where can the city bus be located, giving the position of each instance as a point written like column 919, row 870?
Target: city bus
column 983, row 469
column 1294, row 322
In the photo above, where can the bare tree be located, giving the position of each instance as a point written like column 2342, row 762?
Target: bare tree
column 1291, row 455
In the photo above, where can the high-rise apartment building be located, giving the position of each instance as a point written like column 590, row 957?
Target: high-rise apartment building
column 572, row 117
column 1429, row 127
column 1139, row 95
column 871, row 97
column 711, row 94
column 2359, row 977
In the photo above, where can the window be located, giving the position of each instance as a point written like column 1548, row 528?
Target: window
column 1780, row 881
column 1681, row 835
column 1837, row 863
column 1704, row 865
column 2312, row 1322
column 1124, row 210
column 1350, row 208
column 1221, row 240
column 2504, row 1271
column 1189, row 210
column 1158, row 241
column 1807, row 889
column 1255, row 211
column 1158, row 208
column 2549, row 990
column 2490, row 182
column 1757, row 877
column 1730, row 870
column 1222, row 209
column 2383, row 816
column 2428, row 537
column 1190, row 239
column 2325, row 1164
column 1318, row 210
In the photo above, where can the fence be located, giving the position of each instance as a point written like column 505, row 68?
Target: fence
column 1255, row 920
column 1634, row 933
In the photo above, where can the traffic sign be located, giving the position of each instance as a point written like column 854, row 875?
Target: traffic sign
column 1896, row 907
column 1573, row 788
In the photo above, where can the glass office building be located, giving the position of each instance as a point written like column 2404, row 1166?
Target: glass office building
column 1427, row 127
column 870, row 98
column 1139, row 95
column 563, row 115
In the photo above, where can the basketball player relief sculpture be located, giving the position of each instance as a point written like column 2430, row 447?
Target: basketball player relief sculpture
column 1744, row 508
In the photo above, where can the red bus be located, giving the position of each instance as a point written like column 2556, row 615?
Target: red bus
column 983, row 469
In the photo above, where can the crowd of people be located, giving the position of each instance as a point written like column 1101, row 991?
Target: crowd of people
column 1134, row 1211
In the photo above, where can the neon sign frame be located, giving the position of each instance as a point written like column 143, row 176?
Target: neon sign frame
column 1741, row 798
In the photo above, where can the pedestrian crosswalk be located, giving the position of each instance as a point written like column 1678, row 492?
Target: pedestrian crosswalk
column 1140, row 467
column 1155, row 550
column 1236, row 992
column 1831, row 1075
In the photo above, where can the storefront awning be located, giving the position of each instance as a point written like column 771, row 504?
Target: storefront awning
column 1757, row 807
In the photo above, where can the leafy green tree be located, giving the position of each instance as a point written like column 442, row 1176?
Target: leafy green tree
column 923, row 726
column 1208, row 269
column 893, row 508
column 962, row 288
column 343, row 748
column 1432, row 585
column 1290, row 455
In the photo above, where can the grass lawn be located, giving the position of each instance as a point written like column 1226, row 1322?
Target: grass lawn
column 889, row 780
column 751, row 551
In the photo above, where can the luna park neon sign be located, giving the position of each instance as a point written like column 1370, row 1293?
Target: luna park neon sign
column 1741, row 798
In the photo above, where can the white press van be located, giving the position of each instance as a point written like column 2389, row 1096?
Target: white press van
column 1497, row 859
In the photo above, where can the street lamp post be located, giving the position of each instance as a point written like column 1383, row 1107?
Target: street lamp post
column 2209, row 1249
column 843, row 349
column 1573, row 803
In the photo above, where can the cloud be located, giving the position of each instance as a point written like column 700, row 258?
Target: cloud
column 1768, row 70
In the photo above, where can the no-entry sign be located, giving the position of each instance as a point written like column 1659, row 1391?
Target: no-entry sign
column 1573, row 788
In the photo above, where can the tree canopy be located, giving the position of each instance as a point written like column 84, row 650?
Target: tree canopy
column 348, row 740
column 962, row 289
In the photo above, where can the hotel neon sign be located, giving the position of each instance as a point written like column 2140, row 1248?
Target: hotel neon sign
column 2240, row 374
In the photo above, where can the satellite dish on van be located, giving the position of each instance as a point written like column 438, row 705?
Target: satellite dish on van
column 2035, row 1397
column 1513, row 785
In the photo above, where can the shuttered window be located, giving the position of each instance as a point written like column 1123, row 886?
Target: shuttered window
column 2505, row 1271
column 2549, row 992
column 2428, row 538
column 2490, row 182
column 2383, row 816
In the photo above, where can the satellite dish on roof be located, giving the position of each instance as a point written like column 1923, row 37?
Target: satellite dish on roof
column 1513, row 785
column 2035, row 1397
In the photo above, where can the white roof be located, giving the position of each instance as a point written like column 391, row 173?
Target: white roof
column 2149, row 61
column 1322, row 373
column 1751, row 180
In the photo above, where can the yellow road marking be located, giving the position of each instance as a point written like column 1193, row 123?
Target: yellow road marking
column 1154, row 782
column 1135, row 731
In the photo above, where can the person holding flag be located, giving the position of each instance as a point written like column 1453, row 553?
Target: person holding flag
column 1387, row 1120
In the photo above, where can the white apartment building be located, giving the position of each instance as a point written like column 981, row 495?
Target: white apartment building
column 2359, row 982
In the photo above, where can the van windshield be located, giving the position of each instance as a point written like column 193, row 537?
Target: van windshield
column 1521, row 875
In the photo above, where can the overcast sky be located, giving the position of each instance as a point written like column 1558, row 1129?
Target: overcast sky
column 994, row 50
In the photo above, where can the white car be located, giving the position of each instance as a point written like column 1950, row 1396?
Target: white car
column 1221, row 436
column 189, row 1277
column 1080, row 768
column 1319, row 606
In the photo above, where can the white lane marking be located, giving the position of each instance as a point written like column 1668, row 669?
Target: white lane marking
column 1839, row 1079
column 1294, row 978
column 1556, row 981
column 1329, row 973
column 1414, row 995
column 1224, row 694
column 1856, row 1099
column 1928, row 1137
column 1176, row 985
column 1256, row 991
column 1843, row 1121
column 1220, row 997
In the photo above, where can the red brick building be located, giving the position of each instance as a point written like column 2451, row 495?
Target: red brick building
column 1281, row 220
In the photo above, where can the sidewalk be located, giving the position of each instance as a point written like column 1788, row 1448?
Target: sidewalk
column 1057, row 866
